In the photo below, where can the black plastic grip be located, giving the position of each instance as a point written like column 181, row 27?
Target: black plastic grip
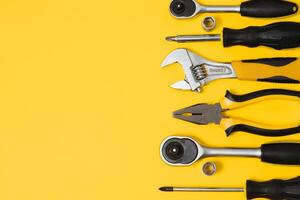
column 281, row 153
column 268, row 8
column 274, row 189
column 281, row 35
column 260, row 93
column 262, row 131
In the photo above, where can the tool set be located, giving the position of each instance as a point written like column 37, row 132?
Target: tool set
column 183, row 151
column 281, row 35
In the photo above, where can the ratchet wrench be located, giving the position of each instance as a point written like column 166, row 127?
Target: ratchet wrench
column 253, row 8
column 176, row 150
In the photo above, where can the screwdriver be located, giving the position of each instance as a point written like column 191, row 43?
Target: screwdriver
column 275, row 189
column 280, row 35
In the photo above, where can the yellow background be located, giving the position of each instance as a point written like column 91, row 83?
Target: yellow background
column 85, row 105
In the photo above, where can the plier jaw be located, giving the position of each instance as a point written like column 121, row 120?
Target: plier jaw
column 200, row 114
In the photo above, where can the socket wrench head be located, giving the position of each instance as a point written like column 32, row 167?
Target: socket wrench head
column 176, row 150
column 184, row 8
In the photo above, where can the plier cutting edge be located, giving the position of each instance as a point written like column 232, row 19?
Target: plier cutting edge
column 216, row 113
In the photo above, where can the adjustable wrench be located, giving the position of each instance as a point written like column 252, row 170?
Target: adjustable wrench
column 199, row 71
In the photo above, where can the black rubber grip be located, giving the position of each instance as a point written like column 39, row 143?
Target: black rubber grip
column 262, row 131
column 260, row 93
column 274, row 189
column 275, row 62
column 281, row 35
column 268, row 8
column 278, row 79
column 281, row 153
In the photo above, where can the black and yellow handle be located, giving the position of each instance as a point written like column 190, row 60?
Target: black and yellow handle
column 231, row 125
column 278, row 70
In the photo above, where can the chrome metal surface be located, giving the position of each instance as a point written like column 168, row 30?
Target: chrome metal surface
column 190, row 189
column 198, row 71
column 211, row 152
column 194, row 38
column 211, row 9
column 237, row 152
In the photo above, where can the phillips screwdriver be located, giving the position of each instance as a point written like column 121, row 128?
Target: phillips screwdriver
column 280, row 35
column 253, row 8
column 275, row 189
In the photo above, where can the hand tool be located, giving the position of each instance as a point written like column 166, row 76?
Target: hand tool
column 203, row 114
column 253, row 8
column 209, row 168
column 199, row 71
column 275, row 189
column 280, row 35
column 208, row 24
column 183, row 151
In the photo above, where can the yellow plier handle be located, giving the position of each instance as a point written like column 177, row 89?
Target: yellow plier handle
column 280, row 70
column 232, row 101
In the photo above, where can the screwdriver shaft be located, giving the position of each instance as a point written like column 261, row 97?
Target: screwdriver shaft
column 189, row 189
column 194, row 38
column 208, row 189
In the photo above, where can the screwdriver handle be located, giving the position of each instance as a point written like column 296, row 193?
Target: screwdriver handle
column 268, row 8
column 281, row 35
column 275, row 189
column 278, row 70
column 281, row 153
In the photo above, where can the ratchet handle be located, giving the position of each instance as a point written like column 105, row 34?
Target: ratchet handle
column 275, row 189
column 278, row 70
column 281, row 35
column 281, row 153
column 267, row 8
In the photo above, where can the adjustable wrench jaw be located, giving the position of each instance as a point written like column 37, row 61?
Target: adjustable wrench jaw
column 198, row 71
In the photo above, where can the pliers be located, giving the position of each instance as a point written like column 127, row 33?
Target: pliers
column 216, row 113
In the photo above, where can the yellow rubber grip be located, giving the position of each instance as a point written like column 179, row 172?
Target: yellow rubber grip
column 285, row 70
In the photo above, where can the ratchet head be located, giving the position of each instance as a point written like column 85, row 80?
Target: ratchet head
column 198, row 71
column 184, row 8
column 200, row 114
column 176, row 150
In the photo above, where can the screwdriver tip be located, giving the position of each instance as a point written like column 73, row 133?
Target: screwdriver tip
column 170, row 38
column 166, row 189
